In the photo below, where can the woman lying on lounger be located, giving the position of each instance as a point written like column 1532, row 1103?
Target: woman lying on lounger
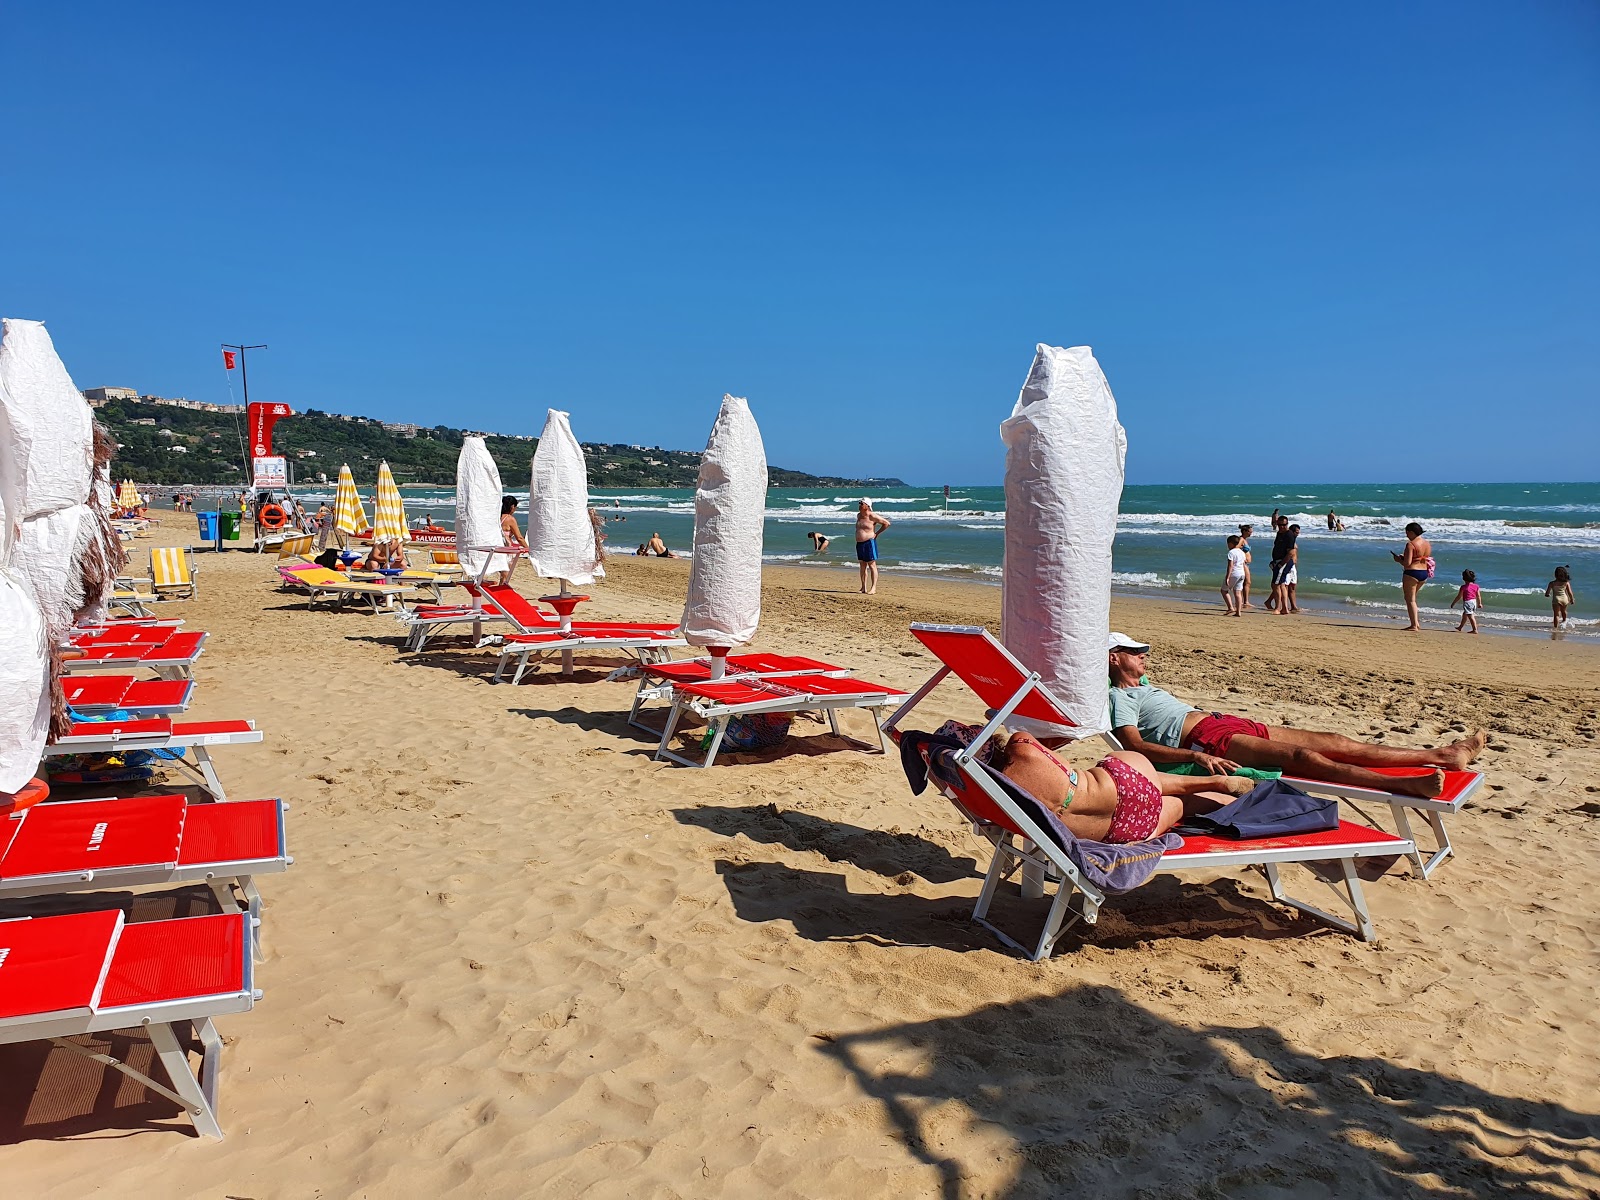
column 1122, row 798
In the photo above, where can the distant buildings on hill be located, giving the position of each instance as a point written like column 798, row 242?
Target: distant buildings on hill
column 98, row 396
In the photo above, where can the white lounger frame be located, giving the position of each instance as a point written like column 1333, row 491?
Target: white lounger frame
column 647, row 650
column 1434, row 809
column 202, row 770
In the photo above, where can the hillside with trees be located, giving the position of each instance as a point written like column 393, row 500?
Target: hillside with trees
column 159, row 444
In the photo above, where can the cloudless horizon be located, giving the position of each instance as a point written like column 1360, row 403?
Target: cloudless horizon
column 1350, row 244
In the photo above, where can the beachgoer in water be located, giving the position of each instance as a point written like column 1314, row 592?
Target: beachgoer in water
column 1122, row 798
column 1416, row 568
column 1333, row 520
column 511, row 535
column 1467, row 597
column 819, row 542
column 868, row 526
column 1560, row 594
column 1233, row 578
column 1244, row 544
column 1165, row 729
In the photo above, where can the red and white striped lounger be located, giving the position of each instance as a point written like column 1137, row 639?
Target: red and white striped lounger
column 718, row 703
column 1006, row 686
column 159, row 733
column 145, row 841
column 146, row 697
column 173, row 658
column 656, row 680
column 1459, row 787
column 92, row 972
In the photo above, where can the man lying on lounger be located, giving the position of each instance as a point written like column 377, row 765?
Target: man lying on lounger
column 1166, row 730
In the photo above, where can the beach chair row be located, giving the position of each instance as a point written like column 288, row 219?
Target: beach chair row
column 79, row 973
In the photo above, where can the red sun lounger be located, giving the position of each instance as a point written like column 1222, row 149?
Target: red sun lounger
column 718, row 703
column 158, row 733
column 503, row 604
column 1459, row 787
column 145, row 697
column 656, row 680
column 970, row 652
column 647, row 647
column 173, row 658
column 91, row 972
column 145, row 841
column 122, row 635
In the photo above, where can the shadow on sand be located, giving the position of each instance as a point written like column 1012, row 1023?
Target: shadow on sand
column 1089, row 1094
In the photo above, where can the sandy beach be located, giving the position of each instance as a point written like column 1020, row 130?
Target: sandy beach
column 517, row 957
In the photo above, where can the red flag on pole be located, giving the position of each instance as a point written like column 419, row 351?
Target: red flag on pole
column 227, row 360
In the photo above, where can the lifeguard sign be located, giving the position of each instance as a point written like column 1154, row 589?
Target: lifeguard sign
column 269, row 471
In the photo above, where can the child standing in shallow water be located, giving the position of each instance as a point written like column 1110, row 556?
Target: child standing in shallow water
column 1467, row 597
column 1560, row 592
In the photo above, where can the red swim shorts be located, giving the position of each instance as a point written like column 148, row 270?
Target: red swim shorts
column 1214, row 733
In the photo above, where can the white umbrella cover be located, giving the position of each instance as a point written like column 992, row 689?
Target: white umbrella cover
column 1064, row 466
column 478, row 494
column 723, row 607
column 560, row 536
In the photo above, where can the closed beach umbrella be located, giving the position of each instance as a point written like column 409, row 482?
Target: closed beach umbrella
column 389, row 510
column 478, row 493
column 724, row 603
column 127, row 495
column 1064, row 462
column 561, row 542
column 349, row 516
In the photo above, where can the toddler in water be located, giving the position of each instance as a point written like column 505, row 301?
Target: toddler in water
column 1233, row 582
column 1560, row 593
column 1467, row 596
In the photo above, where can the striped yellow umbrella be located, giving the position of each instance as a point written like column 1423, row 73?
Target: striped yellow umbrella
column 348, row 514
column 389, row 510
column 127, row 495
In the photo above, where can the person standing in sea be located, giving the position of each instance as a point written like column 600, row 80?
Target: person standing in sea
column 1416, row 568
column 868, row 526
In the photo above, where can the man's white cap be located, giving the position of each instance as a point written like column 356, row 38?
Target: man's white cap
column 1121, row 641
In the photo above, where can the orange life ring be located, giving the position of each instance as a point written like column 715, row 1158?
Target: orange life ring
column 272, row 517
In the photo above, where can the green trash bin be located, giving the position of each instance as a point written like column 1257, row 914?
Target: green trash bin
column 229, row 523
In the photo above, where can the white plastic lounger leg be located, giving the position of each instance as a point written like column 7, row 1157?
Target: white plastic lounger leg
column 716, row 741
column 667, row 731
column 208, row 773
column 1361, row 926
column 197, row 1108
column 191, row 1094
column 999, row 868
column 522, row 666
column 1402, row 822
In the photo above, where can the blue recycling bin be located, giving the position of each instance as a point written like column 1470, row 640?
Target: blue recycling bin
column 208, row 526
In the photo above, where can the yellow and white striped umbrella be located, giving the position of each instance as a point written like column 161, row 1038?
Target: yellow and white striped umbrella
column 348, row 514
column 389, row 510
column 127, row 495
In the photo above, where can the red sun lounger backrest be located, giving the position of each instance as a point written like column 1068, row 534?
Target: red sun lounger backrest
column 153, row 727
column 145, row 635
column 96, row 691
column 54, row 964
column 517, row 607
column 96, row 835
column 178, row 647
column 157, row 961
column 974, row 801
column 986, row 667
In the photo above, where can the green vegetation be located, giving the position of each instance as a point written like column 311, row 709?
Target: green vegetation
column 191, row 447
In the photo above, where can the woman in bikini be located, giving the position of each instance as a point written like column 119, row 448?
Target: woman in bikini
column 1416, row 568
column 1122, row 798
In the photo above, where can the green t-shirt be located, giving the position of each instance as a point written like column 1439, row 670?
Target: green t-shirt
column 1157, row 715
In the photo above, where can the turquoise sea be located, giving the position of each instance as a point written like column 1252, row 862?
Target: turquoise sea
column 1170, row 538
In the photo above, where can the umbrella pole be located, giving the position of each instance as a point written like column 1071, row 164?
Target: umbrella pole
column 719, row 660
column 566, row 627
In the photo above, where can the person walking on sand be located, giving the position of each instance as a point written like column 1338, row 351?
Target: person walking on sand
column 510, row 534
column 1416, row 568
column 1233, row 578
column 1467, row 597
column 1244, row 544
column 1559, row 591
column 819, row 542
column 868, row 526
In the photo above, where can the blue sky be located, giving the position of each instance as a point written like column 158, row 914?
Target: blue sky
column 1341, row 242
